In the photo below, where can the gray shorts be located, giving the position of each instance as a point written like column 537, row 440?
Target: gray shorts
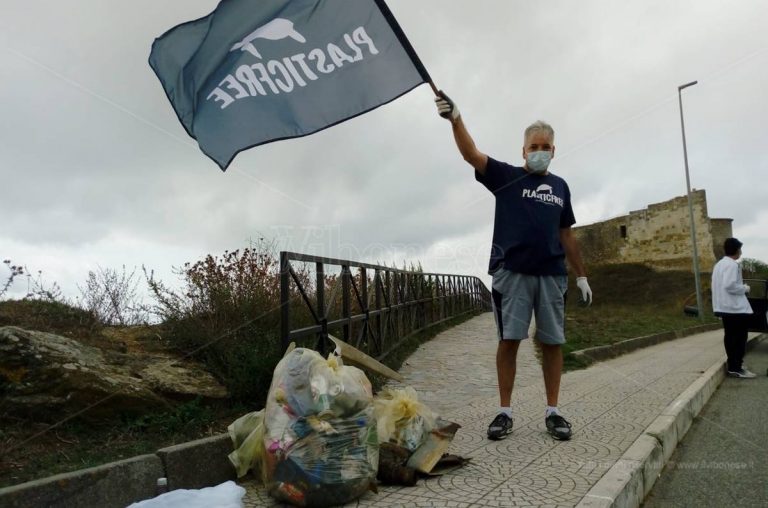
column 516, row 296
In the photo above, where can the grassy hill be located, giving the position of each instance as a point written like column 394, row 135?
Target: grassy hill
column 632, row 301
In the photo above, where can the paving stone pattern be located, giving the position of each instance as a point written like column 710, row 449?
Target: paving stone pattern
column 609, row 405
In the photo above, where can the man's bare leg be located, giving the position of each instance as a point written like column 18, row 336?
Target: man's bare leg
column 506, row 365
column 552, row 367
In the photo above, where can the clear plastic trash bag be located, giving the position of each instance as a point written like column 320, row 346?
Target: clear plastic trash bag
column 320, row 438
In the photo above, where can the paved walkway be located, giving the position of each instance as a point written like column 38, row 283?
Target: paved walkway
column 609, row 404
column 723, row 459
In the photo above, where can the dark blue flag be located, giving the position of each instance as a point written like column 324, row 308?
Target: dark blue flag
column 255, row 71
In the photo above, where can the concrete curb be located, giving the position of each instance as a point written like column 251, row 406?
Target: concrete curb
column 631, row 478
column 600, row 353
column 114, row 484
column 191, row 465
column 198, row 464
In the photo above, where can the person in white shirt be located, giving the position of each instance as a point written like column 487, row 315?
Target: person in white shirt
column 729, row 302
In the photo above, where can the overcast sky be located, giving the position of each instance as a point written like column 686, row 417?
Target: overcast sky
column 97, row 170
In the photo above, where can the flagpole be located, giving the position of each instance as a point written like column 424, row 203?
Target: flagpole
column 407, row 46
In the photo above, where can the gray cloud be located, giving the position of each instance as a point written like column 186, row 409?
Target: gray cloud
column 97, row 169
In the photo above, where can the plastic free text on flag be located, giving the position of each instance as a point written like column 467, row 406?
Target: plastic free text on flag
column 256, row 71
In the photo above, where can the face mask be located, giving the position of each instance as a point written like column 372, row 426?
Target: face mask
column 538, row 162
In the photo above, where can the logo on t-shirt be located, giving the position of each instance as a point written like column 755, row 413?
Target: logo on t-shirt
column 543, row 194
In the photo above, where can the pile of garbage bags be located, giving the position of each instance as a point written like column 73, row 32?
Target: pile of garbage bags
column 317, row 441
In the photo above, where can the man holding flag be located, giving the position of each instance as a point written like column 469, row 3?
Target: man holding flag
column 253, row 72
column 531, row 238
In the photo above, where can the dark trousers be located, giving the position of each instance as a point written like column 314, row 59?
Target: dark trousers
column 735, row 339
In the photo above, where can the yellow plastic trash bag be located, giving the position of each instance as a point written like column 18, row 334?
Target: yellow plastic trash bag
column 401, row 418
column 247, row 434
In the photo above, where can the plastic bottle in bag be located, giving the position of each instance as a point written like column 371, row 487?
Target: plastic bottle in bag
column 320, row 395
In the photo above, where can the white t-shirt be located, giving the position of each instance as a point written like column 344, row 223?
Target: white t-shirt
column 729, row 293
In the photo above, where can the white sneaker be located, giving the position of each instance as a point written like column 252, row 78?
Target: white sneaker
column 743, row 373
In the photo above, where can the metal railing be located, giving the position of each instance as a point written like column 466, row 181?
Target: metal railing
column 378, row 307
column 758, row 288
column 758, row 300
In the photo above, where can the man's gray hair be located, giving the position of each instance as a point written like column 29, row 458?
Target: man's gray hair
column 539, row 126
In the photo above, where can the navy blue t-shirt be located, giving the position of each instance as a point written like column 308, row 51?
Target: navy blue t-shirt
column 530, row 211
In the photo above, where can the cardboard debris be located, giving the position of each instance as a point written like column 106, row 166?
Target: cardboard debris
column 399, row 466
column 353, row 356
column 434, row 447
column 447, row 464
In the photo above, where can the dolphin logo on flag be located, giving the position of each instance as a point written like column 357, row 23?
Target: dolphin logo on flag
column 275, row 30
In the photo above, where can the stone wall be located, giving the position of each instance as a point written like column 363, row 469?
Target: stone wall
column 658, row 236
column 721, row 229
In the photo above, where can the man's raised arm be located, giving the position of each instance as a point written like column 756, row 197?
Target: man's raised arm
column 448, row 110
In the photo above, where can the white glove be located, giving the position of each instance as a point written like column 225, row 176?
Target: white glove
column 747, row 288
column 586, row 291
column 446, row 107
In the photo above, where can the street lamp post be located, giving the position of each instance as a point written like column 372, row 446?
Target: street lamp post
column 696, row 274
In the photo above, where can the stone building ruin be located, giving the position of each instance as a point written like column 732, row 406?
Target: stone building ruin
column 658, row 236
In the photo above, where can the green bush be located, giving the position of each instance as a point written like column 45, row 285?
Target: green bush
column 227, row 315
column 754, row 269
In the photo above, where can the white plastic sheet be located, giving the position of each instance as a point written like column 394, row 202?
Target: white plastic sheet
column 226, row 495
